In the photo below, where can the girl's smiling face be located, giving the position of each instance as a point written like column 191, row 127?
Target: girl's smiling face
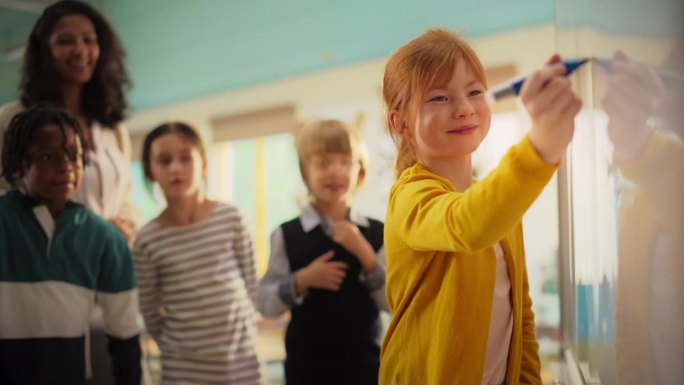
column 453, row 118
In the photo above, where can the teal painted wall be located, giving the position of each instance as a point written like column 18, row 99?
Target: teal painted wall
column 183, row 49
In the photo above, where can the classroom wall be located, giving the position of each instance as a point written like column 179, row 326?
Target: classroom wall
column 353, row 93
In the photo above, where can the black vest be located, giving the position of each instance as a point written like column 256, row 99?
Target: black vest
column 342, row 325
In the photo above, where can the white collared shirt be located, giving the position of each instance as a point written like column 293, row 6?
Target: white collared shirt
column 276, row 289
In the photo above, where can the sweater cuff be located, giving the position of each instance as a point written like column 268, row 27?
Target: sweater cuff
column 528, row 161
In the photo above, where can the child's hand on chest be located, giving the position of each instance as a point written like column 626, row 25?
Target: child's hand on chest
column 346, row 234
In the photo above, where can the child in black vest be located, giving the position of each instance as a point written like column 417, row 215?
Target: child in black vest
column 328, row 267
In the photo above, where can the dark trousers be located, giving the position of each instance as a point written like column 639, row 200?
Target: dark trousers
column 332, row 371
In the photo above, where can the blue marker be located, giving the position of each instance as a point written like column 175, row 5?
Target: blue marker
column 669, row 78
column 512, row 87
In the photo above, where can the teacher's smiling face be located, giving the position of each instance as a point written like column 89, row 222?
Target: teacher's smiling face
column 74, row 48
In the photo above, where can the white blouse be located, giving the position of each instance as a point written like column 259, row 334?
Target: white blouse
column 107, row 178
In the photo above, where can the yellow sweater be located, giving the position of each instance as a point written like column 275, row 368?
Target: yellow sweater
column 441, row 273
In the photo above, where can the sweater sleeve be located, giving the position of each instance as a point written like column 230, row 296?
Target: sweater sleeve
column 126, row 360
column 150, row 297
column 244, row 252
column 431, row 215
column 118, row 296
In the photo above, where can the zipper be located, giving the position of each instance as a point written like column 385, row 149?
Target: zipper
column 47, row 223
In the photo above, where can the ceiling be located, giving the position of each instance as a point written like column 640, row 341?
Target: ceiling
column 183, row 49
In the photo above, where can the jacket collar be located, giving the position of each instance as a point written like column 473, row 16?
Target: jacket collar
column 27, row 201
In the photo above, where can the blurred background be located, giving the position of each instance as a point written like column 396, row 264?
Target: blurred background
column 249, row 73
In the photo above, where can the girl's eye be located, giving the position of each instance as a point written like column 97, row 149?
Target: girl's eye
column 73, row 156
column 164, row 161
column 46, row 157
column 440, row 98
column 475, row 93
column 64, row 40
column 90, row 39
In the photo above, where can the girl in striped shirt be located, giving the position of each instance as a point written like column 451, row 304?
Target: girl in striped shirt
column 196, row 270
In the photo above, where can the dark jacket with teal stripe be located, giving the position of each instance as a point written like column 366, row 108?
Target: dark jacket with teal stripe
column 48, row 286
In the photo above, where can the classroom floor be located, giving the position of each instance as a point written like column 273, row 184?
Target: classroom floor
column 270, row 345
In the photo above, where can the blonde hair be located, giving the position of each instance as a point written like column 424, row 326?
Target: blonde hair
column 334, row 136
column 415, row 68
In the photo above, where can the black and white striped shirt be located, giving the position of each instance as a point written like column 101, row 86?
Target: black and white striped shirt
column 197, row 285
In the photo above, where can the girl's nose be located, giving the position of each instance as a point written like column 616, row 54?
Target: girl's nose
column 175, row 165
column 463, row 108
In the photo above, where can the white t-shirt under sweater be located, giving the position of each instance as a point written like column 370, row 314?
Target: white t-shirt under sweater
column 501, row 325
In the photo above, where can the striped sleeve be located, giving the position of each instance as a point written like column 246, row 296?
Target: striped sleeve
column 244, row 252
column 149, row 289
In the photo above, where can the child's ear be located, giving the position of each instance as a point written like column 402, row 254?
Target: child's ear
column 398, row 125
column 18, row 178
column 148, row 175
column 19, row 172
column 362, row 176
